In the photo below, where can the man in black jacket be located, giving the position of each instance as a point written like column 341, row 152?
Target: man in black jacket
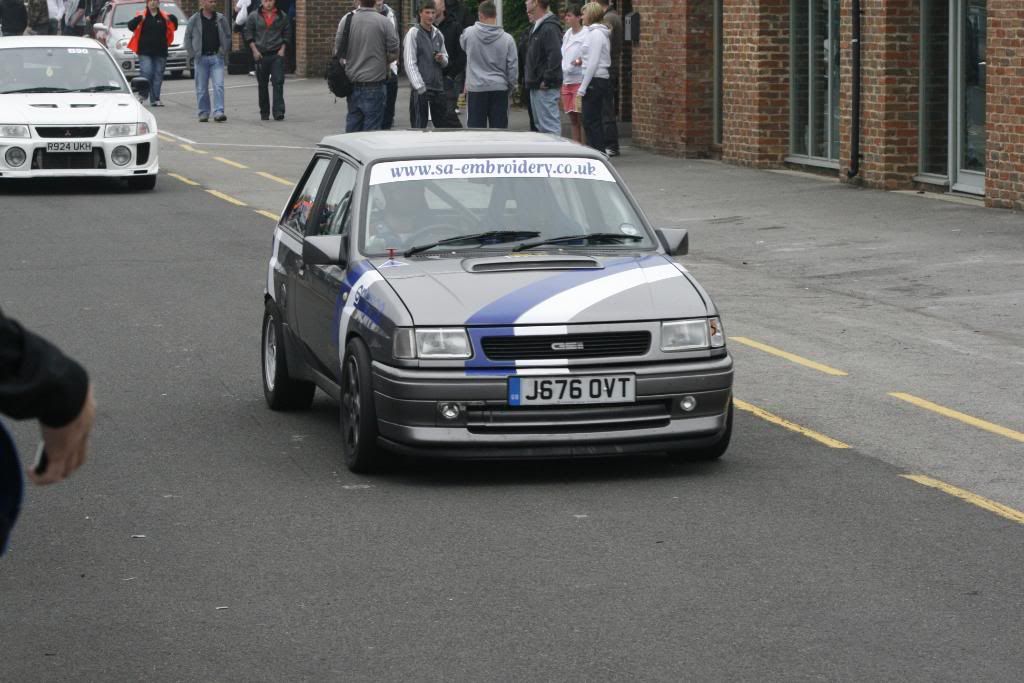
column 13, row 17
column 454, row 20
column 38, row 381
column 543, row 73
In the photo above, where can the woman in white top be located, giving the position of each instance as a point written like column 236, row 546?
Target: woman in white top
column 597, row 58
column 572, row 66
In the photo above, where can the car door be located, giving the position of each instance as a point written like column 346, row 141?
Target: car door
column 318, row 303
column 299, row 213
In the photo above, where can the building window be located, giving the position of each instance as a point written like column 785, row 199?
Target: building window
column 934, row 125
column 814, row 79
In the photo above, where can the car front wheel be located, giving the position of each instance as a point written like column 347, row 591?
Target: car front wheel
column 281, row 391
column 358, row 414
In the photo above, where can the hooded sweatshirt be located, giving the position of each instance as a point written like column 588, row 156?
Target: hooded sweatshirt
column 597, row 55
column 492, row 62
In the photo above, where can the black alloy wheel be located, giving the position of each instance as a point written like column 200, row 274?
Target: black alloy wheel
column 358, row 415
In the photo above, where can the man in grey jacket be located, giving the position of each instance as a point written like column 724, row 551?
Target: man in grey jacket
column 492, row 67
column 207, row 41
column 267, row 33
column 372, row 46
column 425, row 57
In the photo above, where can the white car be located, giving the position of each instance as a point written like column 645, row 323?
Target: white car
column 67, row 110
column 112, row 31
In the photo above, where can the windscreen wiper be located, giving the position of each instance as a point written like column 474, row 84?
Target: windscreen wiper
column 99, row 88
column 491, row 236
column 603, row 237
column 42, row 88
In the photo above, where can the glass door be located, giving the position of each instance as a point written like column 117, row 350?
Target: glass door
column 967, row 102
column 814, row 82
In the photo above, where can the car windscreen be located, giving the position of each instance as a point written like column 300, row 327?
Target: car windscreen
column 124, row 13
column 59, row 69
column 414, row 203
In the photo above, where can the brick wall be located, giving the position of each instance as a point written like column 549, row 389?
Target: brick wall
column 755, row 81
column 1004, row 103
column 672, row 77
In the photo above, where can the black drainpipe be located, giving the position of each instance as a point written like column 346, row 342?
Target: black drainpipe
column 855, row 122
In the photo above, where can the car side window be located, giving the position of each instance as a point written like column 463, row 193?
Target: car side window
column 337, row 215
column 297, row 215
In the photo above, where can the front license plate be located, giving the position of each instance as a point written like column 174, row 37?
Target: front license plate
column 577, row 389
column 69, row 146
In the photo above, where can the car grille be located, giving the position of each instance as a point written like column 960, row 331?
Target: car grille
column 67, row 131
column 589, row 345
column 67, row 160
column 567, row 419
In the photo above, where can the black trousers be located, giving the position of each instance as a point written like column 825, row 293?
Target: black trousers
column 391, row 96
column 435, row 101
column 488, row 109
column 593, row 112
column 610, row 113
column 270, row 68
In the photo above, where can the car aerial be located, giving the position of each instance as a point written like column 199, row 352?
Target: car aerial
column 67, row 110
column 112, row 31
column 484, row 294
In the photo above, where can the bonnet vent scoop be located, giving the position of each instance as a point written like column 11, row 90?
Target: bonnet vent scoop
column 519, row 263
column 44, row 106
column 82, row 106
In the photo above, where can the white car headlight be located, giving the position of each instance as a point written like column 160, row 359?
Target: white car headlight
column 121, row 130
column 684, row 335
column 13, row 131
column 122, row 44
column 434, row 343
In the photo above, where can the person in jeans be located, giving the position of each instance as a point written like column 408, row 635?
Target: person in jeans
column 372, row 46
column 207, row 41
column 391, row 86
column 425, row 57
column 152, row 32
column 544, row 66
column 596, row 85
column 492, row 66
column 267, row 34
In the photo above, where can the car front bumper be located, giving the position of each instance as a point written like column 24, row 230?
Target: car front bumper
column 409, row 417
column 177, row 60
column 97, row 163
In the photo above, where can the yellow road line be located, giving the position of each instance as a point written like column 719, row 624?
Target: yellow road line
column 800, row 360
column 956, row 415
column 184, row 179
column 268, row 176
column 972, row 498
column 165, row 138
column 782, row 422
column 190, row 148
column 227, row 198
column 230, row 163
column 264, row 212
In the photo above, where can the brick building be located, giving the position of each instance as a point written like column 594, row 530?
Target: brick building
column 768, row 83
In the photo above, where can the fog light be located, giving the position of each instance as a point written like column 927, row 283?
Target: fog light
column 15, row 156
column 688, row 403
column 450, row 411
column 121, row 155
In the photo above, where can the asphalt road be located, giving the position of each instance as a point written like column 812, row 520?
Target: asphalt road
column 209, row 538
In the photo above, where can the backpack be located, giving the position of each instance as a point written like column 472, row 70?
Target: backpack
column 337, row 80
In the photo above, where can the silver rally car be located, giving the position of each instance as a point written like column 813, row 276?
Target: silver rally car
column 483, row 294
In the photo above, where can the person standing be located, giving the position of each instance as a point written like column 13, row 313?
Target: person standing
column 572, row 67
column 267, row 33
column 13, row 17
column 452, row 19
column 524, row 92
column 544, row 66
column 207, row 41
column 44, row 16
column 595, row 87
column 372, row 46
column 391, row 85
column 611, row 103
column 39, row 382
column 492, row 66
column 152, row 33
column 425, row 57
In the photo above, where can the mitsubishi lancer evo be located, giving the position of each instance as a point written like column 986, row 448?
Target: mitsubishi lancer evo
column 484, row 294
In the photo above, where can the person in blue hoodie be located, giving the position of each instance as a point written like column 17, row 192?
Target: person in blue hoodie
column 492, row 67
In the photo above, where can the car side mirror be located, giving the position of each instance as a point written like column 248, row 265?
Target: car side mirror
column 324, row 250
column 97, row 28
column 140, row 86
column 676, row 241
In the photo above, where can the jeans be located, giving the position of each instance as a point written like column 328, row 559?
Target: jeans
column 546, row 116
column 207, row 66
column 389, row 103
column 270, row 68
column 593, row 111
column 366, row 108
column 488, row 109
column 435, row 101
column 152, row 69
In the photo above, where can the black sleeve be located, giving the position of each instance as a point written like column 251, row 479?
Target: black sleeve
column 552, row 69
column 36, row 379
column 134, row 22
column 173, row 19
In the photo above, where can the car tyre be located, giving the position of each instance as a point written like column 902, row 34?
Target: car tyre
column 178, row 73
column 358, row 417
column 715, row 450
column 142, row 182
column 279, row 388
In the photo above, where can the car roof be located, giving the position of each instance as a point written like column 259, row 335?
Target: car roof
column 405, row 144
column 48, row 41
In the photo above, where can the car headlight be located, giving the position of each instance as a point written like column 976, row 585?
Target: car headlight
column 122, row 44
column 13, row 131
column 121, row 130
column 434, row 343
column 684, row 335
column 717, row 332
